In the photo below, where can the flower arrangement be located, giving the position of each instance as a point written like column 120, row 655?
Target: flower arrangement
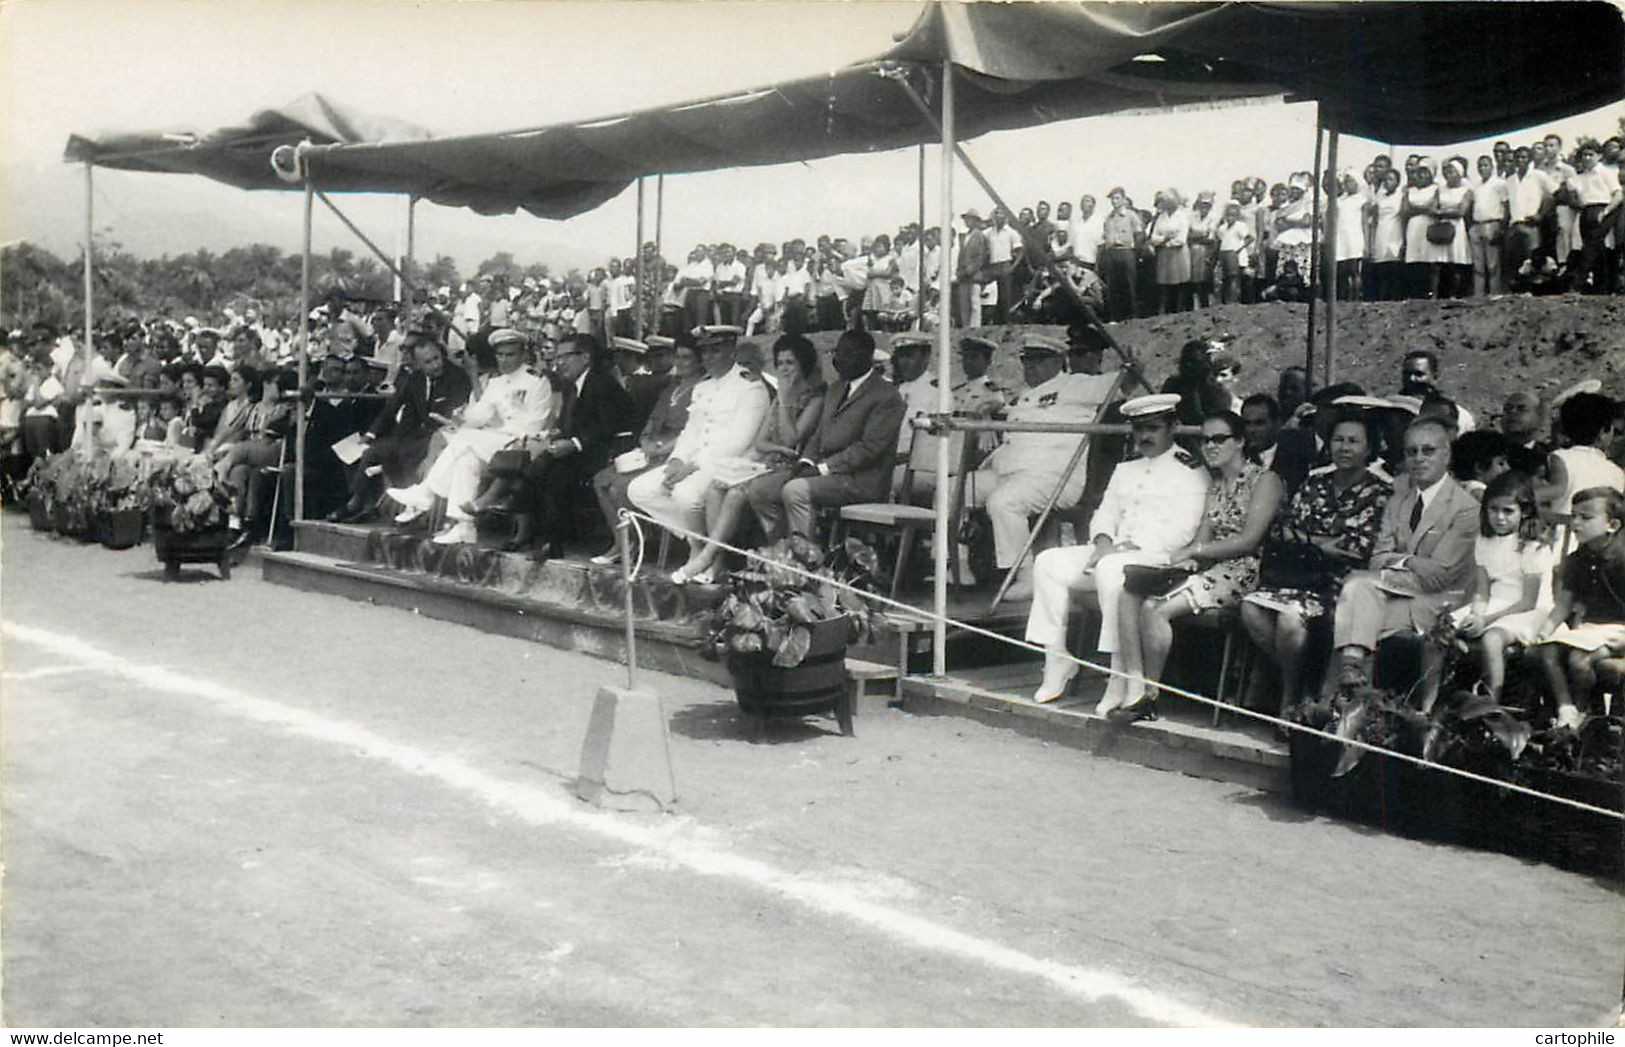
column 117, row 483
column 773, row 605
column 64, row 486
column 186, row 495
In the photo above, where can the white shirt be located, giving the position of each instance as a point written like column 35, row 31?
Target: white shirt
column 723, row 416
column 1002, row 244
column 796, row 282
column 1526, row 194
column 730, row 277
column 519, row 404
column 697, row 274
column 1155, row 504
column 1490, row 200
column 1084, row 234
column 1064, row 398
column 919, row 397
column 623, row 292
column 908, row 265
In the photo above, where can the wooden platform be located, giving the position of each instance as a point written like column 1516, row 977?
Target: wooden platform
column 1183, row 739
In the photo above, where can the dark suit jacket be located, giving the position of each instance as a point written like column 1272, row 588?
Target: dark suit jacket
column 1444, row 536
column 1295, row 454
column 595, row 416
column 858, row 438
column 406, row 413
column 645, row 390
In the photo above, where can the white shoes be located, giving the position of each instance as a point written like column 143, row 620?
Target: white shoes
column 705, row 577
column 407, row 515
column 1569, row 716
column 1021, row 586
column 1059, row 669
column 460, row 533
column 415, row 500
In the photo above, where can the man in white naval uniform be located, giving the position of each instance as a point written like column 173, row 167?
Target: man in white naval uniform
column 514, row 404
column 1019, row 476
column 1152, row 506
column 911, row 371
column 724, row 412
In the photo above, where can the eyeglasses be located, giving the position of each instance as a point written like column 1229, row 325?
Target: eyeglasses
column 1216, row 439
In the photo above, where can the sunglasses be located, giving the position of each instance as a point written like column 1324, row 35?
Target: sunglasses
column 1216, row 439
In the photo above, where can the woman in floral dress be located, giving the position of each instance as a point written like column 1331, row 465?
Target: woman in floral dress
column 1327, row 531
column 1241, row 502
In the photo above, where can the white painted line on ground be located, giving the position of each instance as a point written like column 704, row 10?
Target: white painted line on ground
column 542, row 807
column 43, row 672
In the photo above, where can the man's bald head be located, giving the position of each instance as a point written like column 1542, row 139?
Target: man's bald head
column 1521, row 417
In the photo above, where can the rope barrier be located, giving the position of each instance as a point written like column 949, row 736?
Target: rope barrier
column 1107, row 670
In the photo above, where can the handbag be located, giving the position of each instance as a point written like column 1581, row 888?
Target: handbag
column 1291, row 565
column 510, row 461
column 1441, row 232
column 1148, row 580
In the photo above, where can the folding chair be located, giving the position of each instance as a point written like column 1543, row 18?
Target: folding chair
column 905, row 519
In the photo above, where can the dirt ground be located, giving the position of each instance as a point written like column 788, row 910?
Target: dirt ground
column 1487, row 348
column 180, row 857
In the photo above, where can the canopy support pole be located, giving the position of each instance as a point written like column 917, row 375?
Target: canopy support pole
column 90, row 256
column 301, row 422
column 660, row 213
column 1314, row 253
column 1331, row 259
column 942, row 543
column 1130, row 363
column 919, row 246
column 405, row 293
column 637, row 309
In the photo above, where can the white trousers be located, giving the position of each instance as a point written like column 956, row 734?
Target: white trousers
column 455, row 473
column 1011, row 499
column 681, row 507
column 1057, row 573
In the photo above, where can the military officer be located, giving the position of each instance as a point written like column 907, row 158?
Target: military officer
column 978, row 395
column 1152, row 506
column 911, row 372
column 724, row 412
column 1019, row 476
column 515, row 403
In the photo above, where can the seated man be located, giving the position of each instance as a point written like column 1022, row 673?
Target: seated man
column 1021, row 474
column 1421, row 563
column 595, row 409
column 399, row 437
column 723, row 415
column 1152, row 507
column 514, row 404
column 849, row 456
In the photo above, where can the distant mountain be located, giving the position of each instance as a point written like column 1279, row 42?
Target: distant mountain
column 156, row 215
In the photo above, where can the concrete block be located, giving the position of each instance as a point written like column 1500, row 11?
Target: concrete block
column 625, row 756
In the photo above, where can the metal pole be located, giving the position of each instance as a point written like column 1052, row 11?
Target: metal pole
column 90, row 256
column 301, row 422
column 919, row 246
column 623, row 538
column 1331, row 259
column 637, row 305
column 1314, row 252
column 660, row 211
column 411, row 244
column 942, row 544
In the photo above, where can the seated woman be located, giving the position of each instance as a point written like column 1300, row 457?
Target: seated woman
column 267, row 424
column 659, row 436
column 1241, row 503
column 243, row 392
column 1327, row 531
column 790, row 421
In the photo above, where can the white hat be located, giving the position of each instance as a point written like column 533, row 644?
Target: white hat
column 628, row 345
column 660, row 341
column 910, row 340
column 1038, row 343
column 1151, row 405
column 505, row 336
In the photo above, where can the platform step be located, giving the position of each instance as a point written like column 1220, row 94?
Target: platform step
column 668, row 628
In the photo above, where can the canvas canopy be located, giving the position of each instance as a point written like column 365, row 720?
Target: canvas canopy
column 1415, row 72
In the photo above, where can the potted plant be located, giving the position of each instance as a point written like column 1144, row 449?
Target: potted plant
column 120, row 500
column 785, row 625
column 36, row 491
column 189, row 508
column 72, row 492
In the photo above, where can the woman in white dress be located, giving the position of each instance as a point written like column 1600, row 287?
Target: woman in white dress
column 1455, row 202
column 1388, row 238
column 1350, row 236
column 1423, row 257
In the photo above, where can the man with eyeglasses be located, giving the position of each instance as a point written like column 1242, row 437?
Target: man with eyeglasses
column 594, row 409
column 1420, row 565
column 1152, row 506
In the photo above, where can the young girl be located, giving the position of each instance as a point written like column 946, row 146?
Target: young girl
column 1585, row 631
column 1512, row 591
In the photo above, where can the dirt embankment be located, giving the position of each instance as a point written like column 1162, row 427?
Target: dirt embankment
column 1486, row 348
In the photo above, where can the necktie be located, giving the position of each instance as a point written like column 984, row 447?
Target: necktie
column 845, row 393
column 1416, row 513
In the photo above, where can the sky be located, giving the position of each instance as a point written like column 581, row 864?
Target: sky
column 479, row 65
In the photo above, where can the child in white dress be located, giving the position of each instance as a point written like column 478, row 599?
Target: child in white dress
column 1512, row 594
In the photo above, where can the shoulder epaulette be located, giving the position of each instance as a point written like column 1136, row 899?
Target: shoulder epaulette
column 1186, row 459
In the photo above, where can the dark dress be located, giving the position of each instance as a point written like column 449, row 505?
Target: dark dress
column 1319, row 511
